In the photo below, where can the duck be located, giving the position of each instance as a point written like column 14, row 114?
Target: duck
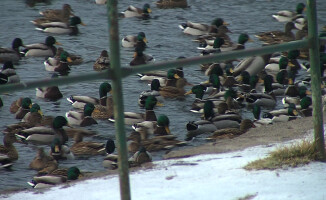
column 11, row 54
column 154, row 91
column 274, row 68
column 46, row 49
column 162, row 127
column 253, row 65
column 141, row 156
column 100, row 2
column 245, row 125
column 44, row 134
column 82, row 118
column 58, row 14
column 133, row 11
column 51, row 93
column 260, row 120
column 214, row 48
column 26, row 104
column 261, row 99
column 288, row 16
column 282, row 115
column 140, row 58
column 131, row 118
column 57, row 176
column 9, row 70
column 166, row 78
column 305, row 109
column 197, row 29
column 296, row 96
column 74, row 59
column 70, row 28
column 62, row 67
column 43, row 163
column 86, row 148
column 174, row 92
column 8, row 152
column 278, row 37
column 79, row 101
column 171, row 4
column 102, row 62
column 242, row 40
column 131, row 40
column 60, row 151
column 34, row 116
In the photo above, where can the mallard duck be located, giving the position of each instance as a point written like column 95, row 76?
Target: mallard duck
column 278, row 37
column 45, row 135
column 260, row 120
column 58, row 14
column 70, row 28
column 195, row 128
column 41, row 49
column 192, row 28
column 132, row 40
column 295, row 96
column 60, row 151
column 305, row 109
column 261, row 99
column 174, row 92
column 51, row 93
column 80, row 101
column 133, row 11
column 82, row 118
column 253, row 65
column 274, row 68
column 140, row 58
column 62, row 67
column 8, row 152
column 172, row 4
column 86, row 148
column 100, row 2
column 210, row 49
column 34, row 116
column 168, row 78
column 26, row 104
column 242, row 40
column 149, row 115
column 162, row 128
column 55, row 177
column 288, row 16
column 154, row 91
column 74, row 59
column 141, row 156
column 245, row 125
column 282, row 115
column 102, row 62
column 9, row 70
column 43, row 163
column 11, row 54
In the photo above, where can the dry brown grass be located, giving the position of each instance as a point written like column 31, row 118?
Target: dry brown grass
column 292, row 156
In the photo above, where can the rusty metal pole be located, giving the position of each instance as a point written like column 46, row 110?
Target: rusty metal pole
column 315, row 79
column 118, row 99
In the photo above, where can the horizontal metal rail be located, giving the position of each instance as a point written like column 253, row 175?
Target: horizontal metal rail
column 127, row 71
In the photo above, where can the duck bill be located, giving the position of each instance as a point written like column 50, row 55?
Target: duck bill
column 250, row 40
column 189, row 92
column 176, row 76
column 145, row 40
column 167, row 130
column 159, row 104
column 58, row 43
column 40, row 112
column 225, row 24
column 69, row 60
column 135, row 54
column 149, row 10
column 56, row 149
column 308, row 92
column 82, row 24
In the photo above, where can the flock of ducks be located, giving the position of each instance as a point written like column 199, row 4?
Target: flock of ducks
column 253, row 84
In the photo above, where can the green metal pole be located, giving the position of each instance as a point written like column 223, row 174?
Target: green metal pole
column 315, row 79
column 118, row 100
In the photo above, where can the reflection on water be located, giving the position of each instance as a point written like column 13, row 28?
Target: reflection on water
column 166, row 42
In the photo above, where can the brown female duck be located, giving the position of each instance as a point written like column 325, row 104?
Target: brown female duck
column 8, row 152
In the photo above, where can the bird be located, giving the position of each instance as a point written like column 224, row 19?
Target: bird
column 60, row 151
column 45, row 135
column 154, row 91
column 11, row 54
column 86, row 148
column 9, row 70
column 141, row 156
column 82, row 118
column 70, row 28
column 133, row 11
column 46, row 49
column 55, row 177
column 34, row 116
column 62, row 67
column 26, row 104
column 288, row 16
column 79, row 101
column 51, row 93
column 8, row 152
column 174, row 92
column 278, row 37
column 102, row 62
column 140, row 57
column 58, row 14
column 171, row 4
column 162, row 127
column 196, row 29
column 43, row 163
column 74, row 59
column 132, row 40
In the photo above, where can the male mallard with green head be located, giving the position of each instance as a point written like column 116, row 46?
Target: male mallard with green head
column 11, row 54
column 133, row 11
column 46, row 49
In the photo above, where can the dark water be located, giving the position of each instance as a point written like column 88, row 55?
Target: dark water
column 166, row 42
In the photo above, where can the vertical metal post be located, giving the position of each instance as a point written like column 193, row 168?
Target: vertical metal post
column 315, row 78
column 118, row 99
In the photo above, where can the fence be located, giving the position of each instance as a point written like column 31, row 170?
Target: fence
column 116, row 73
